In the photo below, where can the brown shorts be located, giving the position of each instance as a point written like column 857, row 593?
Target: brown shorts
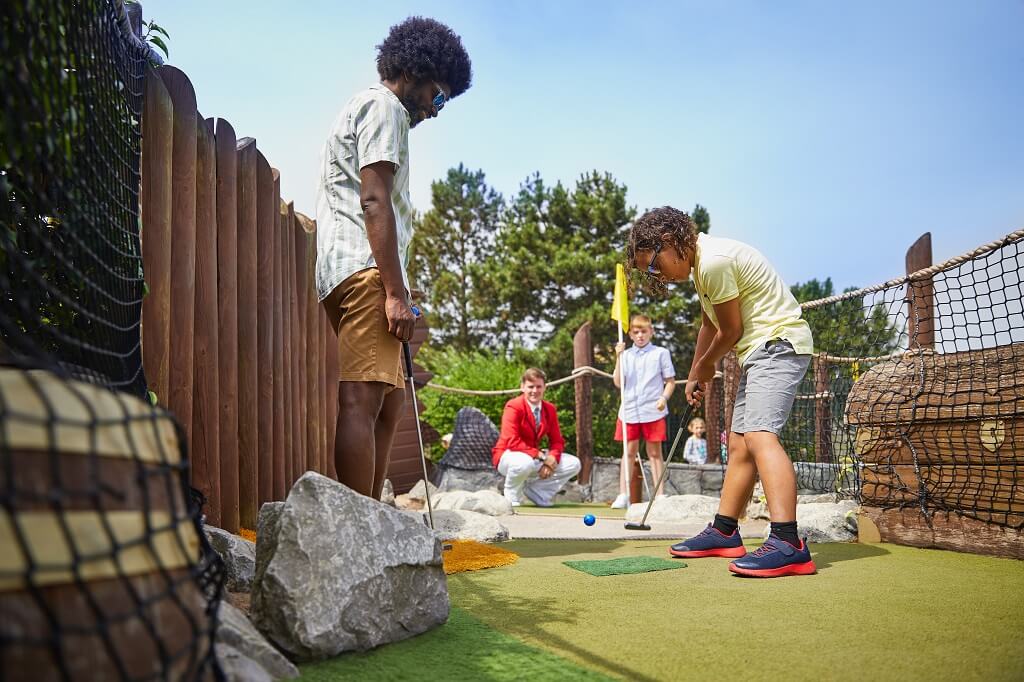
column 366, row 350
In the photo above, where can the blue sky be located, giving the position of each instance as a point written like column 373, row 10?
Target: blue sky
column 828, row 135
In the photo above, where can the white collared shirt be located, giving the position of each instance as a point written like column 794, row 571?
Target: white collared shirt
column 644, row 371
column 373, row 126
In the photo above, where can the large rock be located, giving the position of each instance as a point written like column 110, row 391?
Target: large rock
column 456, row 524
column 826, row 521
column 243, row 652
column 676, row 509
column 482, row 501
column 337, row 571
column 450, row 478
column 239, row 557
column 387, row 493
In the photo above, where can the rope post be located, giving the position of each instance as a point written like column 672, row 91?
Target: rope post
column 731, row 372
column 822, row 411
column 583, row 352
column 920, row 296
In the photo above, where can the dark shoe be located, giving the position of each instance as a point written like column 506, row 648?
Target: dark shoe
column 709, row 542
column 775, row 558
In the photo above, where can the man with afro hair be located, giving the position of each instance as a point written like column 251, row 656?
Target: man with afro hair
column 364, row 226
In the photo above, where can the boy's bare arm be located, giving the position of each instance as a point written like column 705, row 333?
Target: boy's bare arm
column 730, row 329
column 707, row 332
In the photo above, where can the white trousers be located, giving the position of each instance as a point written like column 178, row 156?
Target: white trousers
column 521, row 470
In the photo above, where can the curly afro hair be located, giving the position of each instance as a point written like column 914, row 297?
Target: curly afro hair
column 647, row 232
column 425, row 49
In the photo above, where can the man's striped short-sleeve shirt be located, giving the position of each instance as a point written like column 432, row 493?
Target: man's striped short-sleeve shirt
column 372, row 127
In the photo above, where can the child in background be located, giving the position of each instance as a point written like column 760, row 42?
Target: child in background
column 696, row 449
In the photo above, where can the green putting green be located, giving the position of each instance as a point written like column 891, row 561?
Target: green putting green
column 872, row 612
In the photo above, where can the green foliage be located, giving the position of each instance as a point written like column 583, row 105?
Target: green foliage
column 153, row 33
column 847, row 328
column 448, row 248
column 474, row 370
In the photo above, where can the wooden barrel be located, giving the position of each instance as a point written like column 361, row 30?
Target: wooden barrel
column 98, row 568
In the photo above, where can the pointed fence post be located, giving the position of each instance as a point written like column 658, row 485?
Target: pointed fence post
column 583, row 356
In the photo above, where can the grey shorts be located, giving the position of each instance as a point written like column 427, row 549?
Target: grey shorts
column 768, row 385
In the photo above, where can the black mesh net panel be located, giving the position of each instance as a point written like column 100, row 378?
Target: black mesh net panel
column 472, row 440
column 105, row 573
column 915, row 395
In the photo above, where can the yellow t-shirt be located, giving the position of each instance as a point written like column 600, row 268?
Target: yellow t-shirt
column 724, row 269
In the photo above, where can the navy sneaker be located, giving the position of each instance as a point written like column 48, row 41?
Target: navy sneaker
column 709, row 542
column 775, row 558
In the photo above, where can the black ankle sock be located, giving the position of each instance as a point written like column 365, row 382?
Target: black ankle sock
column 786, row 530
column 726, row 525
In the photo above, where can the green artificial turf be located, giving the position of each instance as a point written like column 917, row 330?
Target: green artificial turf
column 625, row 565
column 461, row 649
column 873, row 612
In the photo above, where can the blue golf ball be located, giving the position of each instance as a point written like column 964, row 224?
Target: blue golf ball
column 589, row 519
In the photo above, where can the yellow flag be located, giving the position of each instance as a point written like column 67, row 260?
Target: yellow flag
column 620, row 304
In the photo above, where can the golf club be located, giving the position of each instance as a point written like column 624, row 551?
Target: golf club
column 664, row 472
column 416, row 413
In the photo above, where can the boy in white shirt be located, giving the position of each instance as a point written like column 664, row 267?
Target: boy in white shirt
column 650, row 380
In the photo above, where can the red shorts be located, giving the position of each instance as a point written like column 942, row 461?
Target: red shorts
column 650, row 431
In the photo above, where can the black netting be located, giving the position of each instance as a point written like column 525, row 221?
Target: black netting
column 71, row 282
column 916, row 392
column 105, row 572
column 472, row 440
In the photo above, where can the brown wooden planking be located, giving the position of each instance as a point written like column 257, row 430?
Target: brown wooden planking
column 227, row 315
column 997, row 490
column 183, row 245
column 955, row 442
column 310, row 327
column 157, row 137
column 301, row 340
column 248, row 379
column 331, row 370
column 280, row 468
column 321, row 374
column 205, row 453
column 266, row 207
column 289, row 346
column 945, row 531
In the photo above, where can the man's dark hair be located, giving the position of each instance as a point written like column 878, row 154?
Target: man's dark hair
column 425, row 49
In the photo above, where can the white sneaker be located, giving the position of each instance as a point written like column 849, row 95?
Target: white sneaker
column 621, row 502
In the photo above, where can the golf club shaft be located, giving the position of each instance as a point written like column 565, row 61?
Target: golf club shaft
column 668, row 460
column 407, row 351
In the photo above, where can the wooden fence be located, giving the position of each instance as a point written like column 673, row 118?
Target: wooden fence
column 234, row 341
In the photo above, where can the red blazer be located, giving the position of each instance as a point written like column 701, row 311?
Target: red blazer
column 520, row 433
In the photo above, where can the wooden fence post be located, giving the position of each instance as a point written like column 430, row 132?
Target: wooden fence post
column 157, row 141
column 583, row 356
column 920, row 296
column 205, row 453
column 280, row 421
column 822, row 411
column 731, row 373
column 227, row 315
column 310, row 331
column 266, row 207
column 248, row 377
column 183, row 245
column 299, row 312
column 287, row 220
column 713, row 416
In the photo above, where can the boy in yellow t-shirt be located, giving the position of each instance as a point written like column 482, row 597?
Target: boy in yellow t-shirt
column 747, row 307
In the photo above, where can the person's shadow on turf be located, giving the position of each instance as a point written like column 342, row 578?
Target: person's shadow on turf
column 827, row 553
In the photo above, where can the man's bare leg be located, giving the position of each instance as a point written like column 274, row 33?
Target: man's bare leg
column 384, row 435
column 359, row 405
column 777, row 474
column 740, row 476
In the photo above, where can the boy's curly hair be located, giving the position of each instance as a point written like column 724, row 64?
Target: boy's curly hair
column 646, row 234
column 426, row 50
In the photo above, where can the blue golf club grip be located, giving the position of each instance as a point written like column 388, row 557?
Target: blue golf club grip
column 407, row 351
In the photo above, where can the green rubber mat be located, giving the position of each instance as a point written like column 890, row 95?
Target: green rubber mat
column 624, row 565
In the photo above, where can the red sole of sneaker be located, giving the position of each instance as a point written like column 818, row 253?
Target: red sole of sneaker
column 727, row 552
column 806, row 568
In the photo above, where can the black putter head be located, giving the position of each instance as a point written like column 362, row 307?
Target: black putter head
column 636, row 526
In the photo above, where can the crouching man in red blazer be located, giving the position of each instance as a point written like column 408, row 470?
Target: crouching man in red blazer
column 529, row 469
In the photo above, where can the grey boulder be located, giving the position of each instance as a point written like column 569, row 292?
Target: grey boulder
column 457, row 524
column 243, row 652
column 676, row 509
column 826, row 521
column 486, row 502
column 337, row 571
column 239, row 556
